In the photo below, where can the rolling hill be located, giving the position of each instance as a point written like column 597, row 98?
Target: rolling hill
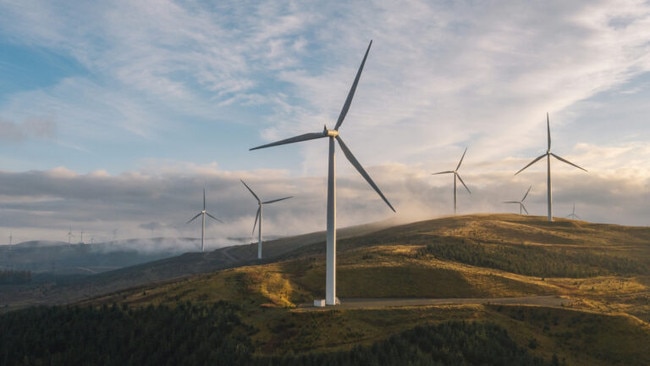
column 567, row 291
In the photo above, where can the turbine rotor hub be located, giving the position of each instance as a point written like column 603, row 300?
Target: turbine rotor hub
column 332, row 133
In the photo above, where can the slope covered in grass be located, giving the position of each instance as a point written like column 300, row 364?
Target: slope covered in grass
column 600, row 271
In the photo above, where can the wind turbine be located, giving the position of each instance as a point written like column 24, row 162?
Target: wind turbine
column 258, row 215
column 203, row 213
column 573, row 215
column 521, row 203
column 330, row 272
column 70, row 235
column 548, row 154
column 456, row 175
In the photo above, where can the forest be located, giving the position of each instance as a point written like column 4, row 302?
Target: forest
column 15, row 277
column 531, row 260
column 190, row 334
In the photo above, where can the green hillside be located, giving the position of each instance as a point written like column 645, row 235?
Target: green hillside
column 567, row 292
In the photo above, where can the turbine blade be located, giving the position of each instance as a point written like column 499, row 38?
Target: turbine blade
column 524, row 207
column 305, row 137
column 249, row 188
column 461, row 159
column 511, row 202
column 522, row 200
column 212, row 217
column 357, row 165
column 279, row 199
column 445, row 172
column 464, row 185
column 194, row 218
column 204, row 198
column 353, row 89
column 531, row 163
column 568, row 162
column 257, row 215
column 548, row 132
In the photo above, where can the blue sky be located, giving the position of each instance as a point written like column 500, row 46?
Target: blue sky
column 115, row 114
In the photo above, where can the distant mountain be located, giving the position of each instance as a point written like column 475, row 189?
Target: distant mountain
column 79, row 271
column 61, row 258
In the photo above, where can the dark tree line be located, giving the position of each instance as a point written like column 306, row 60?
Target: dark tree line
column 215, row 335
column 533, row 260
column 15, row 277
column 451, row 343
column 185, row 335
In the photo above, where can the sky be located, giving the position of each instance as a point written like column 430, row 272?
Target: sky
column 114, row 115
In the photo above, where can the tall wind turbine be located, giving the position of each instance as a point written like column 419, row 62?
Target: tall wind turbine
column 548, row 154
column 521, row 203
column 330, row 275
column 456, row 175
column 203, row 214
column 258, row 216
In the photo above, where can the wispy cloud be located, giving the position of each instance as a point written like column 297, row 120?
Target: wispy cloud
column 30, row 128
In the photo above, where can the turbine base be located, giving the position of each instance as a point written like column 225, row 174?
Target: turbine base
column 321, row 303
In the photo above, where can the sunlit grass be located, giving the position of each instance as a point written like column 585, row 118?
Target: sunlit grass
column 612, row 294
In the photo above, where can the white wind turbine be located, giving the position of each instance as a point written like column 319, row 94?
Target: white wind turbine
column 258, row 216
column 70, row 235
column 573, row 215
column 521, row 203
column 203, row 214
column 548, row 154
column 330, row 275
column 456, row 175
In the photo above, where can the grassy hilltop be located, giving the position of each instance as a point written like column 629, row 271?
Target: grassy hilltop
column 580, row 289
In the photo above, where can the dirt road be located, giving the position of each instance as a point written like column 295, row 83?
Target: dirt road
column 549, row 301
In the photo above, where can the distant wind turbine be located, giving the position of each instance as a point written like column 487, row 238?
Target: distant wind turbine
column 70, row 235
column 456, row 175
column 330, row 275
column 548, row 154
column 573, row 215
column 521, row 203
column 203, row 213
column 258, row 216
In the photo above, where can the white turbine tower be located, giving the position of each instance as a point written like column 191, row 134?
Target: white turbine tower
column 258, row 216
column 521, row 203
column 203, row 214
column 330, row 275
column 456, row 175
column 548, row 154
